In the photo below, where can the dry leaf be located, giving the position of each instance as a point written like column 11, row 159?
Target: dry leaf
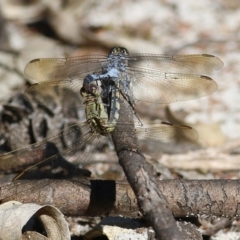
column 20, row 221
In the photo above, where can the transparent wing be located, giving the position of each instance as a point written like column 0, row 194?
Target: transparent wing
column 45, row 69
column 64, row 93
column 151, row 86
column 153, row 138
column 196, row 64
column 165, row 79
column 160, row 87
column 61, row 68
column 165, row 132
column 51, row 149
column 57, row 75
column 165, row 138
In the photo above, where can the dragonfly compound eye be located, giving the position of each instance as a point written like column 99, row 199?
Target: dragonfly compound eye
column 118, row 50
column 88, row 80
column 93, row 88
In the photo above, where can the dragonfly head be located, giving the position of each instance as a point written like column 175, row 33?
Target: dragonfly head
column 119, row 51
column 89, row 89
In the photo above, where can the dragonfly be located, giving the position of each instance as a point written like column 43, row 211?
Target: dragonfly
column 151, row 78
column 84, row 137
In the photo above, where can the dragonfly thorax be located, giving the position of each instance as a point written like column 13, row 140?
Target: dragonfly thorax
column 118, row 59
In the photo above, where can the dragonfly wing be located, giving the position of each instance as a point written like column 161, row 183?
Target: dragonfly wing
column 45, row 69
column 161, row 87
column 197, row 64
column 50, row 149
column 159, row 137
column 153, row 138
column 166, row 79
column 166, row 132
column 64, row 93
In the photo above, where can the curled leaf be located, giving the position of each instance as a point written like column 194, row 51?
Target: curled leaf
column 32, row 221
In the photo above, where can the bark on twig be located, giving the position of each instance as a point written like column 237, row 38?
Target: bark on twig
column 218, row 198
column 140, row 176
